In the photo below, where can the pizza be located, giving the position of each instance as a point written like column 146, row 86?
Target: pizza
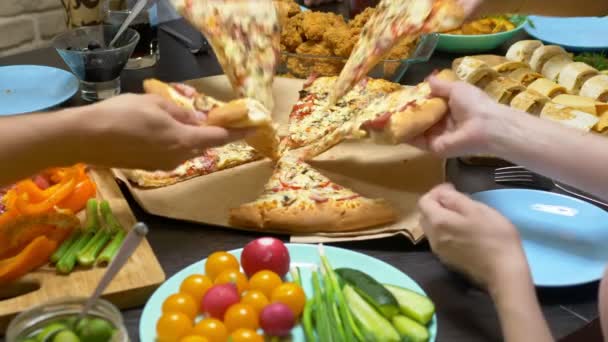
column 245, row 36
column 391, row 118
column 312, row 117
column 212, row 160
column 391, row 23
column 236, row 114
column 298, row 198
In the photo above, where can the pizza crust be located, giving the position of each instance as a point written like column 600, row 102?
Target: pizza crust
column 415, row 120
column 323, row 217
column 154, row 86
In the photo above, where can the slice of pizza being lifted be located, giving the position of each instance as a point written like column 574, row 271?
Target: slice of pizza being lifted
column 245, row 36
column 236, row 114
column 299, row 199
column 392, row 22
column 393, row 118
column 312, row 119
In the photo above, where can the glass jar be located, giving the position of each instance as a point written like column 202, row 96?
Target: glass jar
column 34, row 319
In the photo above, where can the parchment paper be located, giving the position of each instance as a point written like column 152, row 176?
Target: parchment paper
column 400, row 174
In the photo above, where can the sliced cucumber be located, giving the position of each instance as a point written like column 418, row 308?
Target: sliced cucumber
column 376, row 327
column 410, row 330
column 371, row 290
column 412, row 304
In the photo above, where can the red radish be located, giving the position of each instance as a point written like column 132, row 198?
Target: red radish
column 265, row 254
column 219, row 298
column 277, row 319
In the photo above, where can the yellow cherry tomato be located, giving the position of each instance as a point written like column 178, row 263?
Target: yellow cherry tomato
column 235, row 277
column 246, row 335
column 212, row 329
column 196, row 285
column 265, row 282
column 241, row 316
column 219, row 262
column 256, row 299
column 291, row 295
column 181, row 302
column 172, row 326
column 194, row 338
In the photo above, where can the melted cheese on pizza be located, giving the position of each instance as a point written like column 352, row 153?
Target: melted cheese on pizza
column 391, row 21
column 312, row 117
column 246, row 38
column 295, row 183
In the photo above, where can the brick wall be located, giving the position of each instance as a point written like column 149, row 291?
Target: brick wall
column 29, row 24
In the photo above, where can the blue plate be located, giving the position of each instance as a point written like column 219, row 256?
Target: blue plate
column 304, row 256
column 575, row 33
column 564, row 238
column 30, row 88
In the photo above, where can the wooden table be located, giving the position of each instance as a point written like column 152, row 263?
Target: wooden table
column 465, row 314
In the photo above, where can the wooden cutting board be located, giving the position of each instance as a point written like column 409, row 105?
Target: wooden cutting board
column 140, row 276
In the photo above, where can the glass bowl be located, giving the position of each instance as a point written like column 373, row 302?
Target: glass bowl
column 302, row 65
column 34, row 319
column 85, row 50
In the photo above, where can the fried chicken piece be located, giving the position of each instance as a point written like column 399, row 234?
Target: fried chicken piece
column 340, row 40
column 305, row 66
column 292, row 33
column 314, row 24
column 314, row 48
column 292, row 7
column 403, row 49
column 362, row 18
column 285, row 10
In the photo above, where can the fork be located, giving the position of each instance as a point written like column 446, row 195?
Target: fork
column 518, row 175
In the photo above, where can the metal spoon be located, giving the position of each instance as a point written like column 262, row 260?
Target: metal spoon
column 134, row 237
column 134, row 13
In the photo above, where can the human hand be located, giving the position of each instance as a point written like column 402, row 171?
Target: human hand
column 145, row 132
column 471, row 237
column 471, row 125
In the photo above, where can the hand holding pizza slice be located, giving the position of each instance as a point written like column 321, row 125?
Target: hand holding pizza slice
column 244, row 113
column 396, row 118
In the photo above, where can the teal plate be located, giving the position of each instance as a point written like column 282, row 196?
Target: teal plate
column 458, row 43
column 304, row 256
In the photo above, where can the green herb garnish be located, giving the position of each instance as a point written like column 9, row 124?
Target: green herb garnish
column 598, row 60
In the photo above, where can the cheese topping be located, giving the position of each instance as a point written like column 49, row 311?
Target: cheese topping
column 245, row 36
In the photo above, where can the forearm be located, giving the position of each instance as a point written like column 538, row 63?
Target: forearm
column 30, row 143
column 558, row 8
column 520, row 316
column 574, row 157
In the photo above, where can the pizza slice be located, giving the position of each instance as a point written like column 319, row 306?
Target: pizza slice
column 212, row 160
column 391, row 23
column 391, row 119
column 245, row 36
column 312, row 118
column 298, row 198
column 237, row 114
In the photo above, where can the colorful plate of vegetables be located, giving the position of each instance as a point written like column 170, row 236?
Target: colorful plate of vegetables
column 289, row 292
